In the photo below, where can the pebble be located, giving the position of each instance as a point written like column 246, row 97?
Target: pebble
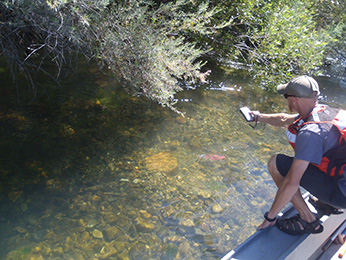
column 217, row 208
column 97, row 234
column 85, row 236
column 145, row 213
column 187, row 223
column 112, row 233
column 144, row 225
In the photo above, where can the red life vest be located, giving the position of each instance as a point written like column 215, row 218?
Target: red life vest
column 325, row 115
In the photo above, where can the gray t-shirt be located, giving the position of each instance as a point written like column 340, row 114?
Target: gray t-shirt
column 313, row 140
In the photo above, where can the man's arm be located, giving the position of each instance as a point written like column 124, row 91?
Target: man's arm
column 288, row 189
column 281, row 119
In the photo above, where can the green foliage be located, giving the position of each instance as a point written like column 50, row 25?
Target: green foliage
column 280, row 39
column 148, row 49
column 155, row 46
column 328, row 12
column 143, row 43
column 330, row 16
column 34, row 35
column 289, row 44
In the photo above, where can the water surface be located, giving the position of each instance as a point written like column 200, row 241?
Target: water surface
column 93, row 174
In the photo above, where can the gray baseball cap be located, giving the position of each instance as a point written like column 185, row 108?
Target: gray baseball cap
column 302, row 86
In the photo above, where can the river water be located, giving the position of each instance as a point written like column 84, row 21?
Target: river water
column 91, row 173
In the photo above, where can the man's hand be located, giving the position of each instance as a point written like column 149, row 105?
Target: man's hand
column 265, row 224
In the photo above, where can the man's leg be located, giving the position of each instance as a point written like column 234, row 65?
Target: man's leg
column 297, row 200
column 314, row 180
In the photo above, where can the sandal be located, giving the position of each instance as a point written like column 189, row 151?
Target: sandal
column 297, row 226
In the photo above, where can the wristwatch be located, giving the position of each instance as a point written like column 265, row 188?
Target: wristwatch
column 267, row 218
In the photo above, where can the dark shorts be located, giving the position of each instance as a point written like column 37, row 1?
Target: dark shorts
column 315, row 181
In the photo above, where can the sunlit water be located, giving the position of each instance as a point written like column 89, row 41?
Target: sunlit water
column 97, row 175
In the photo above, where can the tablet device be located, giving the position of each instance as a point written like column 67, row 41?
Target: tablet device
column 245, row 112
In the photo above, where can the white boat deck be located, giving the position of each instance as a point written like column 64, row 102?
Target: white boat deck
column 273, row 244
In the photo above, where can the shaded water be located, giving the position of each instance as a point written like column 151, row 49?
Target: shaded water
column 101, row 176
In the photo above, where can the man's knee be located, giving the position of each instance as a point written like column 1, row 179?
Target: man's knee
column 272, row 165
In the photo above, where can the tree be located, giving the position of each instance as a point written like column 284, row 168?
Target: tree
column 330, row 16
column 276, row 39
column 156, row 47
column 143, row 43
column 289, row 44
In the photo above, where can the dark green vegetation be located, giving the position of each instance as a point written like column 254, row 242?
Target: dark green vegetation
column 280, row 39
column 141, row 42
column 155, row 47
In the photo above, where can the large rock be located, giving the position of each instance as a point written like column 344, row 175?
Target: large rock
column 161, row 162
column 112, row 233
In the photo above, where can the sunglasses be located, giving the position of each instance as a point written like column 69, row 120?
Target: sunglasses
column 289, row 95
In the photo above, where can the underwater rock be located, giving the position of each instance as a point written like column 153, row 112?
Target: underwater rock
column 184, row 248
column 205, row 227
column 119, row 246
column 23, row 253
column 85, row 236
column 163, row 162
column 181, row 119
column 112, row 233
column 110, row 218
column 168, row 211
column 187, row 223
column 106, row 252
column 144, row 226
column 171, row 251
column 265, row 175
column 46, row 250
column 124, row 256
column 96, row 198
column 58, row 251
column 37, row 249
column 97, row 234
column 204, row 193
column 216, row 208
column 175, row 239
column 78, row 257
column 138, row 250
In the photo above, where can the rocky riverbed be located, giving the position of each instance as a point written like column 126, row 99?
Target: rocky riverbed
column 92, row 180
column 166, row 200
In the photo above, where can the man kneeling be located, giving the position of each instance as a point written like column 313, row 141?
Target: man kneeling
column 317, row 134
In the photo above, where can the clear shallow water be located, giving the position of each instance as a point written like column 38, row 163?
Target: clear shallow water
column 101, row 176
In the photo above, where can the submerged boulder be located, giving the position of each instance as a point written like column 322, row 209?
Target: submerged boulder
column 163, row 162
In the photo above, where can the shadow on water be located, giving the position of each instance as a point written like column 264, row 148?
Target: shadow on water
column 95, row 174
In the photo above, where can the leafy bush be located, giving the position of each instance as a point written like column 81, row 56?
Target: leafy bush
column 289, row 44
column 143, row 43
column 331, row 16
column 280, row 39
column 147, row 47
column 155, row 46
